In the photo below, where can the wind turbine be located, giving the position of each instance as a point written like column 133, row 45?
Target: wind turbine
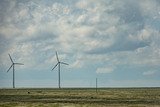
column 59, row 74
column 13, row 64
column 96, row 84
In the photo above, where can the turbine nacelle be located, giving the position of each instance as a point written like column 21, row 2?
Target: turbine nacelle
column 58, row 62
column 13, row 63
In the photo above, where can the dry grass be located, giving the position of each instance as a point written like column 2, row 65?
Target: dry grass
column 113, row 97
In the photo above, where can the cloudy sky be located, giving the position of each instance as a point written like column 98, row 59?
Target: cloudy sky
column 116, row 41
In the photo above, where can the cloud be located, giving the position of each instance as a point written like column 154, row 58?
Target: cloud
column 104, row 70
column 122, row 45
column 130, row 22
column 76, row 64
column 147, row 73
column 91, row 35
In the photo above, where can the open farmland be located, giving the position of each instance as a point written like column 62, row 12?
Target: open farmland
column 80, row 97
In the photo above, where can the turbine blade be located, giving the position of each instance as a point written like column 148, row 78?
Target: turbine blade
column 10, row 58
column 10, row 67
column 55, row 66
column 19, row 63
column 64, row 63
column 57, row 56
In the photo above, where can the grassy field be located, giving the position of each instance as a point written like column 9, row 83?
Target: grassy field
column 105, row 97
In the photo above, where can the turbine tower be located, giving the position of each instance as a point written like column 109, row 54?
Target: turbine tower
column 13, row 65
column 59, row 73
column 96, row 84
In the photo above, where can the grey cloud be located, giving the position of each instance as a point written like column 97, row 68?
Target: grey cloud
column 12, row 13
column 40, row 36
column 131, row 21
column 4, row 43
column 121, row 45
column 131, row 12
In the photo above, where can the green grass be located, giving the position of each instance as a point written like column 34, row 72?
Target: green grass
column 111, row 97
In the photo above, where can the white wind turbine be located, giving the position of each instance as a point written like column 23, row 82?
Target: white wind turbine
column 59, row 74
column 13, row 66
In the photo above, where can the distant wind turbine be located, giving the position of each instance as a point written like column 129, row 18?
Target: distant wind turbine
column 13, row 65
column 96, row 84
column 59, row 74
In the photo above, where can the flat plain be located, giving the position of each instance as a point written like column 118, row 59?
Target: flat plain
column 80, row 97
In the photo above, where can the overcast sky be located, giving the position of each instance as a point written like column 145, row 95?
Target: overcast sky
column 117, row 41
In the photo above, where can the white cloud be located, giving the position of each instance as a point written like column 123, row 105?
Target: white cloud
column 10, row 31
column 149, row 8
column 82, row 4
column 147, row 73
column 76, row 64
column 105, row 70
column 81, row 18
